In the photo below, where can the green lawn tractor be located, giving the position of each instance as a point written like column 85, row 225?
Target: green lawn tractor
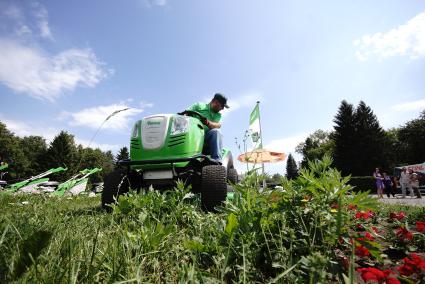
column 76, row 184
column 3, row 167
column 165, row 148
column 30, row 185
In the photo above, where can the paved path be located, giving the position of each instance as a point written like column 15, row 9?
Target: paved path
column 404, row 201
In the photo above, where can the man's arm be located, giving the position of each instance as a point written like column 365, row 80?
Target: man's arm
column 212, row 125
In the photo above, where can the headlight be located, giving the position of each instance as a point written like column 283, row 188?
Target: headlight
column 180, row 124
column 135, row 131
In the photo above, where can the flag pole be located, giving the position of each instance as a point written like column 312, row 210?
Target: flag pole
column 261, row 143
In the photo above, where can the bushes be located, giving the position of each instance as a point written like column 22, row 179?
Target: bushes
column 363, row 183
column 283, row 236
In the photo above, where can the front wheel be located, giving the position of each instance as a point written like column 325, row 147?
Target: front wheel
column 116, row 184
column 232, row 176
column 214, row 186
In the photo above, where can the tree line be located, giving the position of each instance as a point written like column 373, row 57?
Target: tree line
column 30, row 155
column 358, row 144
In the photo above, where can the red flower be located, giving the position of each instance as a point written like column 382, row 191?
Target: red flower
column 352, row 207
column 392, row 280
column 375, row 275
column 420, row 226
column 404, row 234
column 366, row 236
column 406, row 270
column 360, row 227
column 363, row 215
column 375, row 229
column 399, row 216
column 362, row 251
column 371, row 274
column 414, row 264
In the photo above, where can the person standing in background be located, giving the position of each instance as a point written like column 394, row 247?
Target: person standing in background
column 414, row 185
column 388, row 185
column 379, row 183
column 404, row 181
column 411, row 182
column 395, row 184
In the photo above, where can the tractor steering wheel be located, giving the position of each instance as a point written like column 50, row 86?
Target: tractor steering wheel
column 196, row 114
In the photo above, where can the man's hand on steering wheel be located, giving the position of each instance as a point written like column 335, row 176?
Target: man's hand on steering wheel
column 202, row 118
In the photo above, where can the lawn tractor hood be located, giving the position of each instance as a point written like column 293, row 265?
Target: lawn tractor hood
column 166, row 137
column 154, row 131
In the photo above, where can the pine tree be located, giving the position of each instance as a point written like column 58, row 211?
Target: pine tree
column 360, row 142
column 345, row 138
column 122, row 154
column 370, row 142
column 291, row 168
column 62, row 152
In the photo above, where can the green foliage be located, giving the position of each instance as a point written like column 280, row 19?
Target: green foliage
column 316, row 146
column 359, row 140
column 291, row 168
column 412, row 136
column 278, row 236
column 62, row 152
column 12, row 153
column 34, row 149
column 30, row 155
column 123, row 154
column 344, row 135
column 363, row 183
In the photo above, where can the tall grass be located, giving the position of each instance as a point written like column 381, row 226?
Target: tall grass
column 286, row 236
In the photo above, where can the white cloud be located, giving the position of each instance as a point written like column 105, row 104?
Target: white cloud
column 144, row 105
column 150, row 3
column 41, row 15
column 22, row 129
column 12, row 12
column 409, row 106
column 26, row 19
column 159, row 2
column 29, row 70
column 95, row 116
column 404, row 40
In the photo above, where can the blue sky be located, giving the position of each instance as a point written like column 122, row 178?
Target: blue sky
column 68, row 64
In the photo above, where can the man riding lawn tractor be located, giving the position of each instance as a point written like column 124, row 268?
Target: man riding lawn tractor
column 186, row 146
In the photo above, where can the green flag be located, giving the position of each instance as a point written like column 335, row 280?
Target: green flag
column 254, row 125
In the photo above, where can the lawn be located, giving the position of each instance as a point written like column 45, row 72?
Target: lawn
column 311, row 232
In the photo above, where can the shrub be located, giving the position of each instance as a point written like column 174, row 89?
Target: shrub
column 363, row 183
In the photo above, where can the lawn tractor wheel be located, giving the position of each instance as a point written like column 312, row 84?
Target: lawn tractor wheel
column 232, row 176
column 214, row 186
column 116, row 184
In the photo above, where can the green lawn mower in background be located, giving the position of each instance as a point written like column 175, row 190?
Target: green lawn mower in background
column 76, row 184
column 3, row 167
column 165, row 148
column 30, row 185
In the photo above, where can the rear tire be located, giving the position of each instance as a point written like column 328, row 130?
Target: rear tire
column 214, row 186
column 116, row 184
column 232, row 176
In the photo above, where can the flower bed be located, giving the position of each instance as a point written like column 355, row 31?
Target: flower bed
column 387, row 247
